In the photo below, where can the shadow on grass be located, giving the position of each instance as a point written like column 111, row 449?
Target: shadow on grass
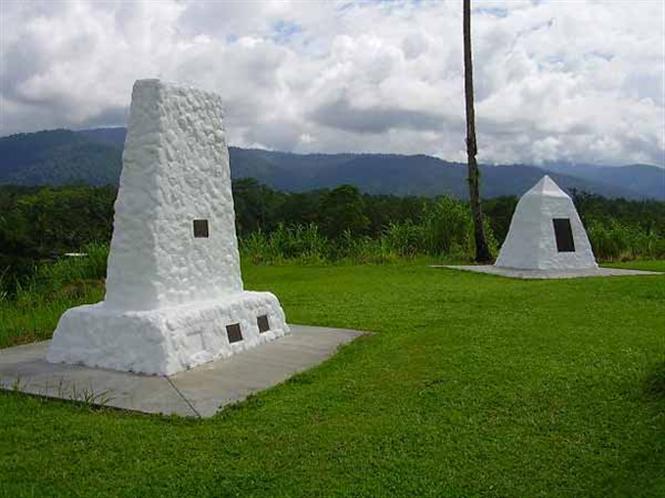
column 641, row 474
column 654, row 384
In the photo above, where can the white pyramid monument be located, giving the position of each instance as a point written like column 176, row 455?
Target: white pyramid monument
column 546, row 233
column 174, row 294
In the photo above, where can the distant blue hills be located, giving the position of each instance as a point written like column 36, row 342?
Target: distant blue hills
column 93, row 157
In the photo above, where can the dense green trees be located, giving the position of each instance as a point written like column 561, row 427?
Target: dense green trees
column 35, row 222
column 38, row 223
column 343, row 209
column 41, row 223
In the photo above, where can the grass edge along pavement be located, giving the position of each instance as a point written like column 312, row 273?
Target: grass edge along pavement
column 472, row 385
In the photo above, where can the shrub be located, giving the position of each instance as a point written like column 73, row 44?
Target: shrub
column 446, row 231
column 301, row 242
column 405, row 239
column 614, row 241
column 448, row 228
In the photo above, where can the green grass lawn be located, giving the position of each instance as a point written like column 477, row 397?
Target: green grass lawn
column 649, row 265
column 472, row 385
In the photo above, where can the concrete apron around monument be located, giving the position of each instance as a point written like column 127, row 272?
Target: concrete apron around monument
column 548, row 274
column 199, row 392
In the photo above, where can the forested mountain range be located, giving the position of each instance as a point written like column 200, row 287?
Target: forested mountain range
column 60, row 157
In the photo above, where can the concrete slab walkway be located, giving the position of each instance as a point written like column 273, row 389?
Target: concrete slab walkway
column 547, row 274
column 199, row 392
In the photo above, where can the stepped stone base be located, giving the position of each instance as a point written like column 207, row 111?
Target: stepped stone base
column 169, row 340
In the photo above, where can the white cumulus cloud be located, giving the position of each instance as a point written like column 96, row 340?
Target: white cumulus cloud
column 576, row 80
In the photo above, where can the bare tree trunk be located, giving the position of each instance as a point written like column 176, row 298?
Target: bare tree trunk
column 482, row 250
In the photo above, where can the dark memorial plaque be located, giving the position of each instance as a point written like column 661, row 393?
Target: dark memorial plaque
column 564, row 235
column 262, row 322
column 233, row 332
column 200, row 228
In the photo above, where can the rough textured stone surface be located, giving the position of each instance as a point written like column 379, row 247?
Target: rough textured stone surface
column 175, row 170
column 166, row 340
column 169, row 294
column 531, row 242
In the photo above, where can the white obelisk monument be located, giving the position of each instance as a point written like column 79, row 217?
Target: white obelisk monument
column 546, row 233
column 174, row 293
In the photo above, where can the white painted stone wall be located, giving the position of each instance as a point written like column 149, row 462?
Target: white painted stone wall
column 531, row 242
column 169, row 295
column 163, row 341
column 175, row 170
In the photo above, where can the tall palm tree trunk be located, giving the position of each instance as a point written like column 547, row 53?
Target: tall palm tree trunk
column 482, row 250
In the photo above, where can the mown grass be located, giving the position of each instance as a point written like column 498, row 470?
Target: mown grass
column 472, row 385
column 645, row 265
column 32, row 311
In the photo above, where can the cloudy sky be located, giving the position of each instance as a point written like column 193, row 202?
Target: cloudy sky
column 563, row 80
